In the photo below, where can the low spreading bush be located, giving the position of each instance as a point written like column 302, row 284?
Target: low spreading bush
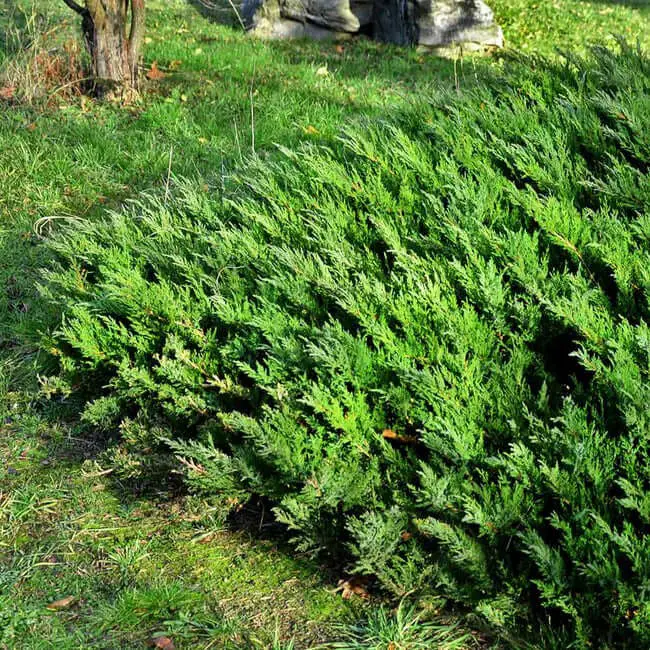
column 426, row 343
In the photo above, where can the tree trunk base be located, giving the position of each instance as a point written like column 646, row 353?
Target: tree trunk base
column 113, row 31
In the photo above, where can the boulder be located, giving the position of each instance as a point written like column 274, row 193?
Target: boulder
column 439, row 24
column 443, row 23
column 363, row 10
column 332, row 14
column 284, row 29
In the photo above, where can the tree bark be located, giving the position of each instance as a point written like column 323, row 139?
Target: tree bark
column 114, row 31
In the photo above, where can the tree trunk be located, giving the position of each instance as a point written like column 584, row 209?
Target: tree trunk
column 113, row 30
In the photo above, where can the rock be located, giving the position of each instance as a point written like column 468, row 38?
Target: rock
column 442, row 23
column 283, row 29
column 333, row 14
column 259, row 15
column 363, row 10
column 285, row 19
column 446, row 25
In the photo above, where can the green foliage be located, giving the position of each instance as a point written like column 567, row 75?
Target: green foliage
column 426, row 345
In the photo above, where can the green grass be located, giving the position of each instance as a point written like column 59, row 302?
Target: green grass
column 544, row 26
column 138, row 565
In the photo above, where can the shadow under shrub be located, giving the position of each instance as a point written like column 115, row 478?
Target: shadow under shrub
column 426, row 343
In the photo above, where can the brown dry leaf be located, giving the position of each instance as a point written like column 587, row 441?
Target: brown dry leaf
column 161, row 642
column 62, row 603
column 355, row 586
column 406, row 536
column 155, row 73
column 389, row 434
column 7, row 92
column 340, row 49
column 192, row 466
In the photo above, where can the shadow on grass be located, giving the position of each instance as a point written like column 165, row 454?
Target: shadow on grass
column 220, row 11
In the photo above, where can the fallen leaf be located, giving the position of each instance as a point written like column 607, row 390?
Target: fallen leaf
column 311, row 130
column 62, row 603
column 176, row 63
column 406, row 536
column 7, row 92
column 155, row 73
column 355, row 586
column 340, row 49
column 389, row 434
column 322, row 71
column 161, row 642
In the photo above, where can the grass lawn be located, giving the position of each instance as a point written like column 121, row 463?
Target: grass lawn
column 141, row 563
column 136, row 566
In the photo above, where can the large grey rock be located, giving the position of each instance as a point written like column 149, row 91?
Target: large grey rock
column 443, row 23
column 285, row 29
column 333, row 14
column 259, row 15
column 439, row 24
column 363, row 10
